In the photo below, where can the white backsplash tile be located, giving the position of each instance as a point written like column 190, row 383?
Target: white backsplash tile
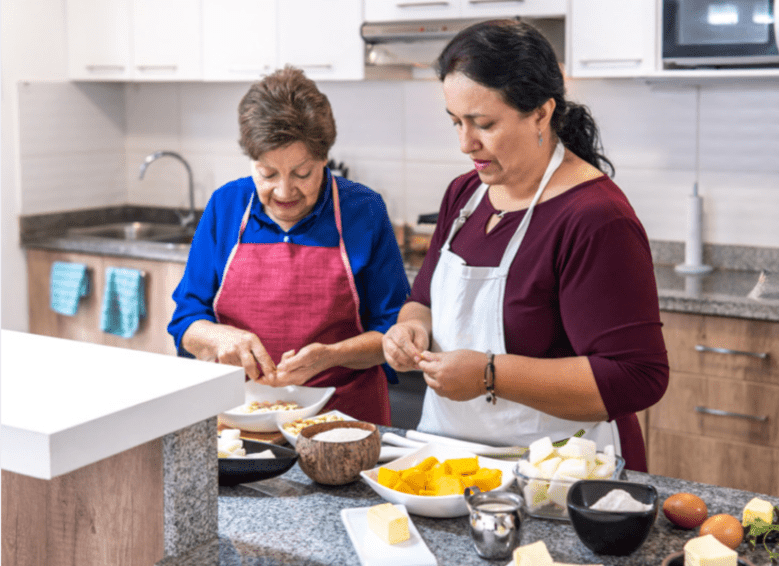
column 87, row 141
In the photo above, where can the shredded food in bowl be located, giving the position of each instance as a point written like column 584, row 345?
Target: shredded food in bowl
column 268, row 406
column 294, row 427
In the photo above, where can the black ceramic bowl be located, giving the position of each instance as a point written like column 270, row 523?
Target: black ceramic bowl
column 611, row 532
column 233, row 471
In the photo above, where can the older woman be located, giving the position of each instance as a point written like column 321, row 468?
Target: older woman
column 538, row 290
column 294, row 274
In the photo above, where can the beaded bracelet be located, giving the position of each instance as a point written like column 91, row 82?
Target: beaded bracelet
column 489, row 378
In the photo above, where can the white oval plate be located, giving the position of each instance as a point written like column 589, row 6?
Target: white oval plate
column 433, row 506
column 311, row 399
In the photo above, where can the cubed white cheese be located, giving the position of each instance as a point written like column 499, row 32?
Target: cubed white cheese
column 558, row 489
column 708, row 551
column 528, row 470
column 572, row 467
column 230, row 434
column 578, row 448
column 549, row 466
column 228, row 445
column 389, row 523
column 758, row 509
column 540, row 450
column 535, row 493
column 535, row 554
column 602, row 472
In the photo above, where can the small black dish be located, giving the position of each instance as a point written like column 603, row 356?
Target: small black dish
column 611, row 532
column 677, row 559
column 234, row 471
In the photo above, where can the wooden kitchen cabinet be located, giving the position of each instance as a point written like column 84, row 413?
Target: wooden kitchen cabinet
column 161, row 278
column 717, row 422
column 148, row 40
column 611, row 38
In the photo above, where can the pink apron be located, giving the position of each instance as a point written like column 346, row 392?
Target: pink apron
column 290, row 296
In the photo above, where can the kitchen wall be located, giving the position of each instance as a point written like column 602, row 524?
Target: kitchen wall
column 71, row 146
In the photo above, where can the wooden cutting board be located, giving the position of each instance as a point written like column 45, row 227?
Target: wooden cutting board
column 274, row 437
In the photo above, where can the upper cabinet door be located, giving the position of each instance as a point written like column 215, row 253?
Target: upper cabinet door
column 322, row 37
column 509, row 8
column 167, row 40
column 611, row 38
column 393, row 10
column 239, row 39
column 99, row 39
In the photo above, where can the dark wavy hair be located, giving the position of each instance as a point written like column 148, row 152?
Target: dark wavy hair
column 283, row 108
column 515, row 59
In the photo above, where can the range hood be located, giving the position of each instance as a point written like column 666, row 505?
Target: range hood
column 408, row 49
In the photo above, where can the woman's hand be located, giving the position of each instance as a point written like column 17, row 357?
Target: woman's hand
column 298, row 368
column 456, row 375
column 225, row 344
column 404, row 343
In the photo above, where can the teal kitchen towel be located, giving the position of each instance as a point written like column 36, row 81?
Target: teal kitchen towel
column 68, row 282
column 124, row 301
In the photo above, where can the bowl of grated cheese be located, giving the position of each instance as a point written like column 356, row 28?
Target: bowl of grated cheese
column 263, row 403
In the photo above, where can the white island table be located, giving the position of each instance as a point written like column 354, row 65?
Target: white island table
column 108, row 454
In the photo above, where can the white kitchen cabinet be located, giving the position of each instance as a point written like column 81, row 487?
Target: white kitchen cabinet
column 509, row 8
column 148, row 40
column 99, row 42
column 611, row 38
column 394, row 10
column 322, row 37
column 239, row 39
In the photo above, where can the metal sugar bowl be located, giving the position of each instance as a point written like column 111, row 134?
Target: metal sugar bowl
column 495, row 521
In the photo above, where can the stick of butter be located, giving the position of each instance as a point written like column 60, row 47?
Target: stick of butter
column 758, row 509
column 708, row 551
column 389, row 523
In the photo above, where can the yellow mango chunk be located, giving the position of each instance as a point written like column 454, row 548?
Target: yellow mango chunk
column 414, row 477
column 463, row 466
column 487, row 479
column 404, row 488
column 427, row 463
column 448, row 485
column 388, row 478
column 438, row 470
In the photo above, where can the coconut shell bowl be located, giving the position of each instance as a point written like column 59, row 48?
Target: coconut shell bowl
column 337, row 462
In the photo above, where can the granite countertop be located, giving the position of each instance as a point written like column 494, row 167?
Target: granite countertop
column 723, row 292
column 300, row 524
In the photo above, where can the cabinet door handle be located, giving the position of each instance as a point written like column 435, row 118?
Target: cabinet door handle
column 720, row 413
column 494, row 1
column 728, row 351
column 105, row 68
column 144, row 68
column 588, row 62
column 420, row 4
column 317, row 66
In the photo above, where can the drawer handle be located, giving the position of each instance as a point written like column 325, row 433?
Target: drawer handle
column 493, row 1
column 702, row 348
column 720, row 413
column 420, row 4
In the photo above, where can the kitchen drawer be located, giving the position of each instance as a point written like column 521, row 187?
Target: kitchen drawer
column 734, row 348
column 690, row 400
column 718, row 462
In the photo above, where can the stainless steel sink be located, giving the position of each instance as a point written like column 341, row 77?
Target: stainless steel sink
column 136, row 231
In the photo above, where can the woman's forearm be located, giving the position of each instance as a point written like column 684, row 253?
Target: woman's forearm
column 417, row 312
column 360, row 352
column 562, row 387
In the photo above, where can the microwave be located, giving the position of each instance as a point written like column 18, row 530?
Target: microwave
column 720, row 33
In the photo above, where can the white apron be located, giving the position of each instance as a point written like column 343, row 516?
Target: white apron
column 467, row 311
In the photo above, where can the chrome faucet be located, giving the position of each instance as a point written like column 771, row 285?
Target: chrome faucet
column 189, row 219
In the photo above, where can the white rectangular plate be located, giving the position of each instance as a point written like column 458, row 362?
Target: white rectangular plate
column 372, row 551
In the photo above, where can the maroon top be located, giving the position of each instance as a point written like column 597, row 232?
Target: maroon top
column 582, row 284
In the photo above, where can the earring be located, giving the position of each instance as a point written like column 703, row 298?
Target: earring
column 540, row 138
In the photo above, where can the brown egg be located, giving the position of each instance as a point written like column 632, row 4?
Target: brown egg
column 725, row 528
column 685, row 510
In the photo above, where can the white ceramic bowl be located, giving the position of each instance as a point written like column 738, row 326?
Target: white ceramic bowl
column 440, row 505
column 283, row 418
column 311, row 399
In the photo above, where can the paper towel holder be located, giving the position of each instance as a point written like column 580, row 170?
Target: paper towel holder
column 693, row 246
